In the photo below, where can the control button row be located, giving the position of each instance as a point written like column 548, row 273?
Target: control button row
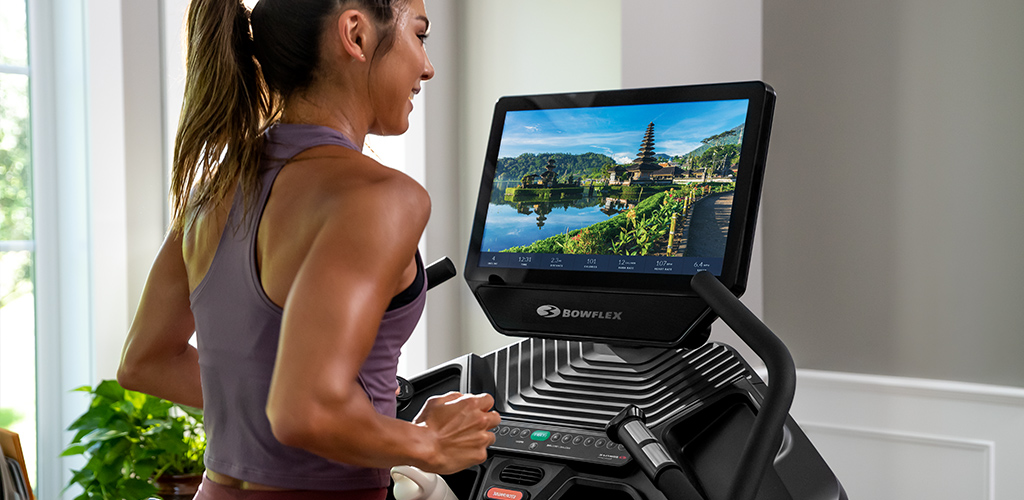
column 557, row 437
column 502, row 430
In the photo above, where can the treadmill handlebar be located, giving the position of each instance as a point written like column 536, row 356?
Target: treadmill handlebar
column 440, row 271
column 766, row 432
column 629, row 428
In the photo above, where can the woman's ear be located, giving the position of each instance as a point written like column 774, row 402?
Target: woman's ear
column 357, row 35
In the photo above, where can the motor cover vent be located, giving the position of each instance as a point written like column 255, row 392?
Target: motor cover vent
column 523, row 475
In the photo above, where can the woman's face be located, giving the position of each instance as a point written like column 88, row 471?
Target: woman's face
column 395, row 77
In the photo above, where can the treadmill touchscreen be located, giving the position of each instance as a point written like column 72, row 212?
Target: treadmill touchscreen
column 644, row 188
column 596, row 209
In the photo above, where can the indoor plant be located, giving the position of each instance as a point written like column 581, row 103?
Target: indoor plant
column 133, row 441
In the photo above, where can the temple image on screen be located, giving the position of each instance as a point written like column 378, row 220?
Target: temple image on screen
column 638, row 181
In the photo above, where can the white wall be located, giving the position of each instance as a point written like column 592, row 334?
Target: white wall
column 107, row 188
column 892, row 208
column 892, row 238
column 441, row 98
column 144, row 169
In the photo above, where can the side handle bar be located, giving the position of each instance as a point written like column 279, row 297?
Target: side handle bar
column 440, row 271
column 766, row 432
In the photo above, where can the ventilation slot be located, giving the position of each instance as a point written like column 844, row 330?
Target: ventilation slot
column 521, row 474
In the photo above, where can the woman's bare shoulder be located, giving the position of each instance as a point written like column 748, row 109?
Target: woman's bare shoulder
column 335, row 181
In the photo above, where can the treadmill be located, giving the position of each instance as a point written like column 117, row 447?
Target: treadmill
column 612, row 228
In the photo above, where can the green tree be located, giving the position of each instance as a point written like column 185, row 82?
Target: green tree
column 15, row 186
column 579, row 166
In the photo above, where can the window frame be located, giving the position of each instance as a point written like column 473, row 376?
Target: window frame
column 57, row 100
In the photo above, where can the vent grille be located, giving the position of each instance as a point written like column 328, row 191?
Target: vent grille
column 523, row 475
column 586, row 385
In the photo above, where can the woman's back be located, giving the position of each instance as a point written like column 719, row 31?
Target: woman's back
column 304, row 197
column 238, row 324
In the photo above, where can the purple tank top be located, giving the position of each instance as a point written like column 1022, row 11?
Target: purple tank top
column 237, row 329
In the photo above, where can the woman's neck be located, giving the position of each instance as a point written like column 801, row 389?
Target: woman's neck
column 346, row 118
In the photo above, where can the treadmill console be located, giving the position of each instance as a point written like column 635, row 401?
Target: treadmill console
column 596, row 209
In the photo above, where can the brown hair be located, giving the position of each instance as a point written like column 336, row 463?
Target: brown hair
column 236, row 80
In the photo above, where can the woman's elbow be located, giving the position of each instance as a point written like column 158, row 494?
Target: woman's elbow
column 137, row 370
column 302, row 419
column 128, row 375
column 291, row 425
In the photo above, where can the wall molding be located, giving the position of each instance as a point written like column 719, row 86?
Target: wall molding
column 906, row 386
column 890, row 437
column 899, row 436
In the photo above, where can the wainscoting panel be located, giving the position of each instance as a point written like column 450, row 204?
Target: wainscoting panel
column 897, row 438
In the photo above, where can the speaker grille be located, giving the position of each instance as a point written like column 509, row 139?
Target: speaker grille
column 521, row 474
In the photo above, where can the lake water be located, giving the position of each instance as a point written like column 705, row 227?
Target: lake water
column 513, row 224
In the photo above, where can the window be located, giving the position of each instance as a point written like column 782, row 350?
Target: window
column 17, row 244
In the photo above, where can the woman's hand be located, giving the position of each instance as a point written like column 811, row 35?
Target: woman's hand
column 460, row 426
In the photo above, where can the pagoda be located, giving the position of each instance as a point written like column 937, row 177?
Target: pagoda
column 645, row 163
column 645, row 158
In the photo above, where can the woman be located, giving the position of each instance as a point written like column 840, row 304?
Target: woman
column 293, row 256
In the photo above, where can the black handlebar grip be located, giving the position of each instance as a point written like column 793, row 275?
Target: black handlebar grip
column 440, row 271
column 629, row 428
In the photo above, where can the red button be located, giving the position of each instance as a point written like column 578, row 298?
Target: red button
column 496, row 493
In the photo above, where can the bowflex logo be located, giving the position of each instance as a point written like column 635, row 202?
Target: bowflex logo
column 550, row 311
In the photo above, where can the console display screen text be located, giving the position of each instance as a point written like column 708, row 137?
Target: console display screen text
column 635, row 189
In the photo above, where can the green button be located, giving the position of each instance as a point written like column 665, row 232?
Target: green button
column 540, row 435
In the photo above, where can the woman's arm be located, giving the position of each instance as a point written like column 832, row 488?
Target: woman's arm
column 157, row 358
column 331, row 317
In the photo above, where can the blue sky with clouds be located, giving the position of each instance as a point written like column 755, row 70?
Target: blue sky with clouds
column 617, row 131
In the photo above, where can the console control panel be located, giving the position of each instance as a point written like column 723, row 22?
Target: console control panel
column 559, row 442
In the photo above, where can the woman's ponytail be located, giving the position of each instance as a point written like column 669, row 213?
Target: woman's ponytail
column 226, row 109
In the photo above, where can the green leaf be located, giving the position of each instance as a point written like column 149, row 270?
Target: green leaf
column 156, row 426
column 117, row 453
column 121, row 423
column 80, row 434
column 145, row 468
column 110, row 473
column 110, row 389
column 104, row 435
column 73, row 450
column 156, row 407
column 137, row 399
column 137, row 489
column 94, row 417
column 125, row 407
column 82, row 476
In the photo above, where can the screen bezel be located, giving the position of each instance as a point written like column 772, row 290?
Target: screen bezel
column 753, row 153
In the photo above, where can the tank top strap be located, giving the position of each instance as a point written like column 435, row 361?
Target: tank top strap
column 283, row 142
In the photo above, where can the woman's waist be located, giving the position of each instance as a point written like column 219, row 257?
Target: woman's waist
column 218, row 485
column 295, row 469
